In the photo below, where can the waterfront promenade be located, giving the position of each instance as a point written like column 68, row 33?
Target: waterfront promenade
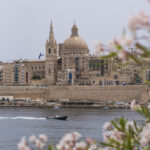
column 54, row 104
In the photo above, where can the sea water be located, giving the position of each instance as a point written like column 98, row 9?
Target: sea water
column 18, row 122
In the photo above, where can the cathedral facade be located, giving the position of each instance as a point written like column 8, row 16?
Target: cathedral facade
column 69, row 63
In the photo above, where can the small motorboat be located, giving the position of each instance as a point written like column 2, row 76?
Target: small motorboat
column 57, row 117
column 56, row 107
column 106, row 108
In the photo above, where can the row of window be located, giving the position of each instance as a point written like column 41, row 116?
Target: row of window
column 73, row 58
column 37, row 67
column 73, row 53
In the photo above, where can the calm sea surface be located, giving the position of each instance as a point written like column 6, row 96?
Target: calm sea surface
column 18, row 122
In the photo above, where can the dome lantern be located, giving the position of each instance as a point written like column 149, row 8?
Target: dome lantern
column 74, row 30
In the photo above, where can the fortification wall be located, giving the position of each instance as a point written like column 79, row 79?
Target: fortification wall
column 23, row 91
column 79, row 93
column 99, row 93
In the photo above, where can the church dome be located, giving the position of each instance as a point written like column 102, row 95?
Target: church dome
column 75, row 41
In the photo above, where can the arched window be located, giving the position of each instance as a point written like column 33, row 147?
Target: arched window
column 49, row 50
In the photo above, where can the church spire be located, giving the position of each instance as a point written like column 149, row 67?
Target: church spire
column 51, row 34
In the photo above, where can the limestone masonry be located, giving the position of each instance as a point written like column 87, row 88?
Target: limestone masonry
column 79, row 93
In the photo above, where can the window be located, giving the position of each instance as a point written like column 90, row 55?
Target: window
column 90, row 65
column 94, row 67
column 49, row 50
column 115, row 77
column 97, row 67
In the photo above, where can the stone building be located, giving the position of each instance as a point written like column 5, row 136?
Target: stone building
column 70, row 63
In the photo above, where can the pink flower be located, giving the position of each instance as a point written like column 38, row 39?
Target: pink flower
column 107, row 126
column 138, row 21
column 113, row 134
column 99, row 47
column 67, row 138
column 117, row 135
column 130, row 124
column 89, row 141
column 39, row 144
column 133, row 105
column 145, row 135
column 76, row 135
column 43, row 137
column 122, row 55
column 32, row 138
column 93, row 147
column 106, row 137
column 125, row 41
column 23, row 144
column 81, row 146
column 68, row 141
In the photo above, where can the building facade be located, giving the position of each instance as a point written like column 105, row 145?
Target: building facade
column 70, row 63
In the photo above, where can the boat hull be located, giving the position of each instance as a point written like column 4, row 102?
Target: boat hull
column 58, row 117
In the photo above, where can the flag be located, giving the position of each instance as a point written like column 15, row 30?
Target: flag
column 40, row 55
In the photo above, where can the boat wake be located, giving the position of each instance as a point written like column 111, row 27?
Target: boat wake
column 22, row 117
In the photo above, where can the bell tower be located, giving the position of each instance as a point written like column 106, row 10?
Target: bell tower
column 51, row 58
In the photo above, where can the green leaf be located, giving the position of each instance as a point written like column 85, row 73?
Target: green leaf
column 134, row 58
column 50, row 147
column 115, row 125
column 141, row 47
column 147, row 82
column 110, row 55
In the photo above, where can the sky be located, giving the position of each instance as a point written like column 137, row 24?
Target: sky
column 24, row 24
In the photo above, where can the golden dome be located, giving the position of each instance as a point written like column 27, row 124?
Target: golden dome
column 75, row 41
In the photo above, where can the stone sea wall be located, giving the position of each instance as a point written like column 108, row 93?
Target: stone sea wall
column 23, row 92
column 99, row 93
column 78, row 93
